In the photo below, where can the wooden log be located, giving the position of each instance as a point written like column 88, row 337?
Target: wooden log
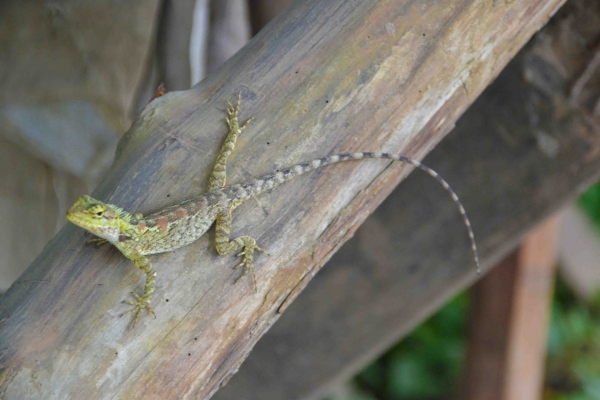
column 387, row 279
column 323, row 77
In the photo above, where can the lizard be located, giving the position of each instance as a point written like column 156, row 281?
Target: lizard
column 137, row 236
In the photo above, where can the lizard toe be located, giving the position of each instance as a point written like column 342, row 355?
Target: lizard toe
column 138, row 305
column 262, row 251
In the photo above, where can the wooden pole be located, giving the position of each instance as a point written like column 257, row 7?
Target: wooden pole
column 528, row 325
column 510, row 321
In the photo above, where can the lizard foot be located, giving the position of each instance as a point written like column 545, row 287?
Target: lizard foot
column 138, row 306
column 247, row 263
column 248, row 266
column 232, row 113
column 99, row 241
column 256, row 248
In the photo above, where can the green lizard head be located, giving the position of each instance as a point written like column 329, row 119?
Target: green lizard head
column 103, row 220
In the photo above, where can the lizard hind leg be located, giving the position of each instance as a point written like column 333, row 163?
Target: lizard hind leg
column 246, row 243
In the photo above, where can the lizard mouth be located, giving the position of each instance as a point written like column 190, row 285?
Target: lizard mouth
column 79, row 220
column 75, row 219
column 104, row 232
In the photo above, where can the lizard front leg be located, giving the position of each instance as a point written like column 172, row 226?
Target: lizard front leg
column 226, row 246
column 218, row 175
column 99, row 241
column 142, row 302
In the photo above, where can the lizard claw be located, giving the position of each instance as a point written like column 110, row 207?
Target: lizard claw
column 248, row 266
column 262, row 251
column 246, row 124
column 230, row 110
column 247, row 261
column 138, row 306
column 255, row 248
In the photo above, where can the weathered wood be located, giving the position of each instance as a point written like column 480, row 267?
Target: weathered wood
column 323, row 77
column 387, row 278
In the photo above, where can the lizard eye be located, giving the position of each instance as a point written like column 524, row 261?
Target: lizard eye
column 99, row 213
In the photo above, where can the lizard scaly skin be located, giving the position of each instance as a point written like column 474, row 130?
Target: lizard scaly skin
column 173, row 227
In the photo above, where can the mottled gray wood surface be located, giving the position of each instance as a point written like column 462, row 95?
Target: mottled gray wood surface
column 323, row 77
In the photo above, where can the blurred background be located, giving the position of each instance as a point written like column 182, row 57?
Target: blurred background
column 75, row 74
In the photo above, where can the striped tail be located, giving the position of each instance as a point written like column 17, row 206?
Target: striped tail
column 254, row 187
